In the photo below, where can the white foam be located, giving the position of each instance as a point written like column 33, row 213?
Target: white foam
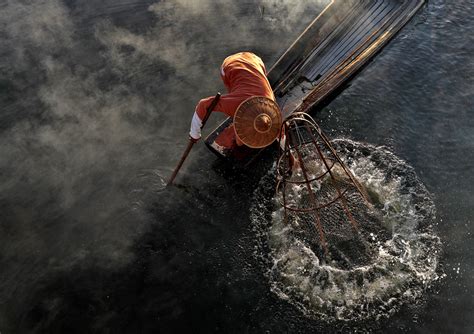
column 403, row 266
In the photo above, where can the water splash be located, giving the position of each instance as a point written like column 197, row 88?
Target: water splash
column 404, row 261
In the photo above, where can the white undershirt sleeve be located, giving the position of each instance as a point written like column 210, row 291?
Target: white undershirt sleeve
column 196, row 125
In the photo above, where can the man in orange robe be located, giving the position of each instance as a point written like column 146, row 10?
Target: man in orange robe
column 244, row 76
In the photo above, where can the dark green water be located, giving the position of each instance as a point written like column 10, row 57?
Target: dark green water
column 95, row 103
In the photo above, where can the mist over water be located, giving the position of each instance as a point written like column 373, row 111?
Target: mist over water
column 89, row 102
column 95, row 103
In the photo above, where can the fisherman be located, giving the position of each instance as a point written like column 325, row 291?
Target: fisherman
column 245, row 76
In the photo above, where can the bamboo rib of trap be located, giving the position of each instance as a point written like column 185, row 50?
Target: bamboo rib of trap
column 306, row 146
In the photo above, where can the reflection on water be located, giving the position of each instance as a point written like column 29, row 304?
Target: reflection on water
column 96, row 99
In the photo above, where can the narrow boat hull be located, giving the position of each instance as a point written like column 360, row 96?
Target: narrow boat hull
column 334, row 47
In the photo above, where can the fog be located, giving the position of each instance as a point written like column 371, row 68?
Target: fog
column 95, row 95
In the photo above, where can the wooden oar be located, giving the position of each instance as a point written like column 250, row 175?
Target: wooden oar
column 192, row 141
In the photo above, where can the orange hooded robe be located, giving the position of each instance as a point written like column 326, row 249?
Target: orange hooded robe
column 244, row 76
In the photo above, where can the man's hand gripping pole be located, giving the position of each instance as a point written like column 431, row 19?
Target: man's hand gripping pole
column 192, row 141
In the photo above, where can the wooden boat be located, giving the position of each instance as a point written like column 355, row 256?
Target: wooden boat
column 344, row 37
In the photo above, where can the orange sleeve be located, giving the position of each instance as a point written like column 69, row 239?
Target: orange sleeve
column 227, row 105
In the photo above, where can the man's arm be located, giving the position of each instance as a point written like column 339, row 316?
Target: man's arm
column 227, row 105
column 199, row 114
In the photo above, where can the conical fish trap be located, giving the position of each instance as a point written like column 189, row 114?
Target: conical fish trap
column 320, row 196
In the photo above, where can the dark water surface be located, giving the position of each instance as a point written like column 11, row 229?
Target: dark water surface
column 95, row 103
